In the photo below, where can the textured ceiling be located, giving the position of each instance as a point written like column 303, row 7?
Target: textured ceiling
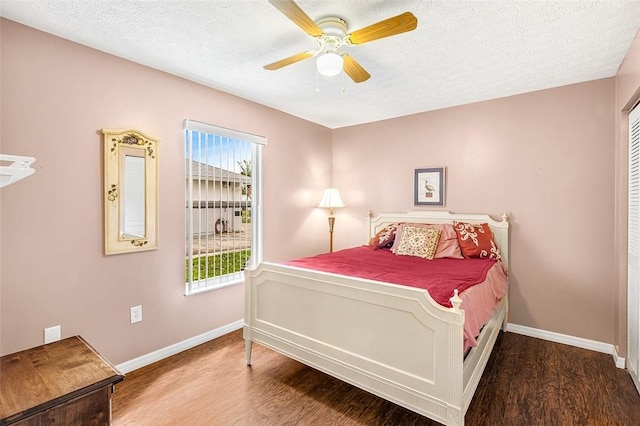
column 461, row 52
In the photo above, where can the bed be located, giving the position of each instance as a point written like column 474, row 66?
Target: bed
column 391, row 340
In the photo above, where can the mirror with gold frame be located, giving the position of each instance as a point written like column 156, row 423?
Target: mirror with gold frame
column 130, row 191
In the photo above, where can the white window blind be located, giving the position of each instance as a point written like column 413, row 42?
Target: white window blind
column 223, row 214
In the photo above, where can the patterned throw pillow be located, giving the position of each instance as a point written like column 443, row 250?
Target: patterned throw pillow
column 384, row 238
column 448, row 245
column 476, row 240
column 420, row 242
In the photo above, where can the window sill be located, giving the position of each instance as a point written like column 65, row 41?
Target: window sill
column 214, row 287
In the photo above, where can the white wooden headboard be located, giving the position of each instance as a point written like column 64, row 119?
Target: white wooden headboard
column 500, row 229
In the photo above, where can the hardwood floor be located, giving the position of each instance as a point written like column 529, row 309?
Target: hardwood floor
column 526, row 382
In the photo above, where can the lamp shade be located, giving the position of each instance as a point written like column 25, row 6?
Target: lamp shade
column 331, row 199
column 329, row 64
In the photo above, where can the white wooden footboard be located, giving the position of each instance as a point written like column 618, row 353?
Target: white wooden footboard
column 389, row 340
column 393, row 341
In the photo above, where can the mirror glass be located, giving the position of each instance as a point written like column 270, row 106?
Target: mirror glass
column 132, row 212
column 130, row 184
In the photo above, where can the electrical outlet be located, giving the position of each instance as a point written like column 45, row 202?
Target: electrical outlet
column 51, row 334
column 136, row 314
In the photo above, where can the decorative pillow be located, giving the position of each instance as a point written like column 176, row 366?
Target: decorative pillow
column 448, row 245
column 420, row 242
column 384, row 238
column 476, row 240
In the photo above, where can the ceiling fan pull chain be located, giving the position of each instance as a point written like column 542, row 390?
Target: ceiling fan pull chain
column 317, row 88
column 343, row 90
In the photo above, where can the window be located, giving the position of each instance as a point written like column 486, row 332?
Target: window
column 223, row 212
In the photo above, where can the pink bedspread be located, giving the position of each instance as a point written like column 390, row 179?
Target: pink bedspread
column 439, row 276
column 480, row 282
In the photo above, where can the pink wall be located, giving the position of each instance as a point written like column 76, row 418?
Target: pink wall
column 627, row 95
column 546, row 158
column 56, row 96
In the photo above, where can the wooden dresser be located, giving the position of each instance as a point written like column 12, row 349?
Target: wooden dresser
column 62, row 383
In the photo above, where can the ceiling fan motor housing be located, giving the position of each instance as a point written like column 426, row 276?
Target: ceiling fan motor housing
column 334, row 30
column 333, row 26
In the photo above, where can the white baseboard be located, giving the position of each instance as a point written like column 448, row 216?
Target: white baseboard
column 154, row 356
column 620, row 361
column 551, row 336
column 568, row 340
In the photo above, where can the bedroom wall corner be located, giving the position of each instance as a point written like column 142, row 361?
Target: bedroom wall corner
column 627, row 95
column 546, row 158
column 56, row 96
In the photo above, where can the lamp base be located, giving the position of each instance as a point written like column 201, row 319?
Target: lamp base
column 332, row 221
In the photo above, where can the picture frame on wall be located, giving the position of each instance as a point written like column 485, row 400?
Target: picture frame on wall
column 428, row 187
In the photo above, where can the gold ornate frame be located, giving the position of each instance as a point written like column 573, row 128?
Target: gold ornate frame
column 120, row 146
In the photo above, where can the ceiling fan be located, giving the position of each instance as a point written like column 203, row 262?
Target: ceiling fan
column 331, row 34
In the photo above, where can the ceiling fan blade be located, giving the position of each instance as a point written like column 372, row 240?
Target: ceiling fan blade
column 292, row 11
column 354, row 69
column 288, row 61
column 391, row 26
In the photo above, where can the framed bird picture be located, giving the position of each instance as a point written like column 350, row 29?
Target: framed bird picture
column 428, row 187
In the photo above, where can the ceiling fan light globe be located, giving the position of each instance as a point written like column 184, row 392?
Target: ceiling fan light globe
column 329, row 64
